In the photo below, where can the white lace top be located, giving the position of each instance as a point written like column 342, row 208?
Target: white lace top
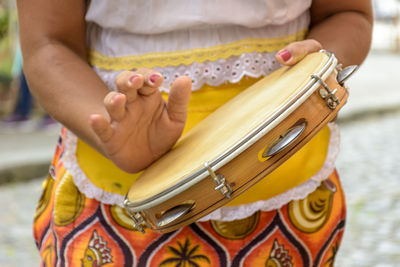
column 212, row 41
column 179, row 37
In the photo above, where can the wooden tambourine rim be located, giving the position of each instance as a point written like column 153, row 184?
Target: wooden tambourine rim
column 225, row 157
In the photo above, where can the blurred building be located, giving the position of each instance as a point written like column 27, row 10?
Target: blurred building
column 386, row 35
column 386, row 9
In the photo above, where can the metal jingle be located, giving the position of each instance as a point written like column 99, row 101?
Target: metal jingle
column 285, row 139
column 175, row 213
column 345, row 73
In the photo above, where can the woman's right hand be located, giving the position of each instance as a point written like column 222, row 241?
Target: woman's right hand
column 141, row 126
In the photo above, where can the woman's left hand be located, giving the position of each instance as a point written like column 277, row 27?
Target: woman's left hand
column 296, row 51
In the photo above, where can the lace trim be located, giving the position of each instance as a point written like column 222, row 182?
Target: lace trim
column 189, row 56
column 213, row 73
column 224, row 213
column 81, row 180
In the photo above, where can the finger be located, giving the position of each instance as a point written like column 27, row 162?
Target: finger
column 296, row 51
column 101, row 127
column 115, row 105
column 178, row 99
column 152, row 80
column 128, row 83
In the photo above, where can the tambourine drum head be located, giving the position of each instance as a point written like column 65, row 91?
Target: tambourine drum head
column 225, row 127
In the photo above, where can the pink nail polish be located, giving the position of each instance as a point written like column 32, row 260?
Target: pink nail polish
column 285, row 54
column 153, row 78
column 133, row 77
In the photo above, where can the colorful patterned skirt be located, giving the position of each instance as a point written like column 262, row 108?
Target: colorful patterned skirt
column 73, row 230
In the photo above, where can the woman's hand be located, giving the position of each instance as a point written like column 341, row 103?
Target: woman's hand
column 141, row 125
column 296, row 51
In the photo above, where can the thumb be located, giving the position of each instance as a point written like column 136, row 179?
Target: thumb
column 178, row 99
column 296, row 51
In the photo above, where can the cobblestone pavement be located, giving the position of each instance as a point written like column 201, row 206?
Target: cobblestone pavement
column 368, row 164
column 18, row 203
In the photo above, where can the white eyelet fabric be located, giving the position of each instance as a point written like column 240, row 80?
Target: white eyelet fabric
column 215, row 73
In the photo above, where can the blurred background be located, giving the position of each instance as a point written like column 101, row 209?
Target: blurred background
column 369, row 161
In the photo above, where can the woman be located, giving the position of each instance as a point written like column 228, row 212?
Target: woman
column 76, row 52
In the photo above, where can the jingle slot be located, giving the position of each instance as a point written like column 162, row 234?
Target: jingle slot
column 175, row 213
column 285, row 139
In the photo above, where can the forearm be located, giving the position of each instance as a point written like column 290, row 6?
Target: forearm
column 346, row 34
column 66, row 87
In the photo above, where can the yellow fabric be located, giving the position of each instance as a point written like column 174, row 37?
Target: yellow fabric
column 305, row 163
column 189, row 56
column 101, row 171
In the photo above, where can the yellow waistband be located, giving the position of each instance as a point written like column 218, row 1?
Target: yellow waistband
column 189, row 56
column 304, row 164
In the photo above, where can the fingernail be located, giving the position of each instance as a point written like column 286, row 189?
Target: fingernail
column 154, row 78
column 115, row 97
column 133, row 77
column 285, row 54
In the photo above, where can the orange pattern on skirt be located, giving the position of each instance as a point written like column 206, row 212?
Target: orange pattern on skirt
column 72, row 230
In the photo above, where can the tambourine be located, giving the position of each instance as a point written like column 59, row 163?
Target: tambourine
column 239, row 144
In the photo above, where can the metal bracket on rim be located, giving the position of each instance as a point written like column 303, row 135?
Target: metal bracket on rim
column 220, row 181
column 138, row 221
column 326, row 93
